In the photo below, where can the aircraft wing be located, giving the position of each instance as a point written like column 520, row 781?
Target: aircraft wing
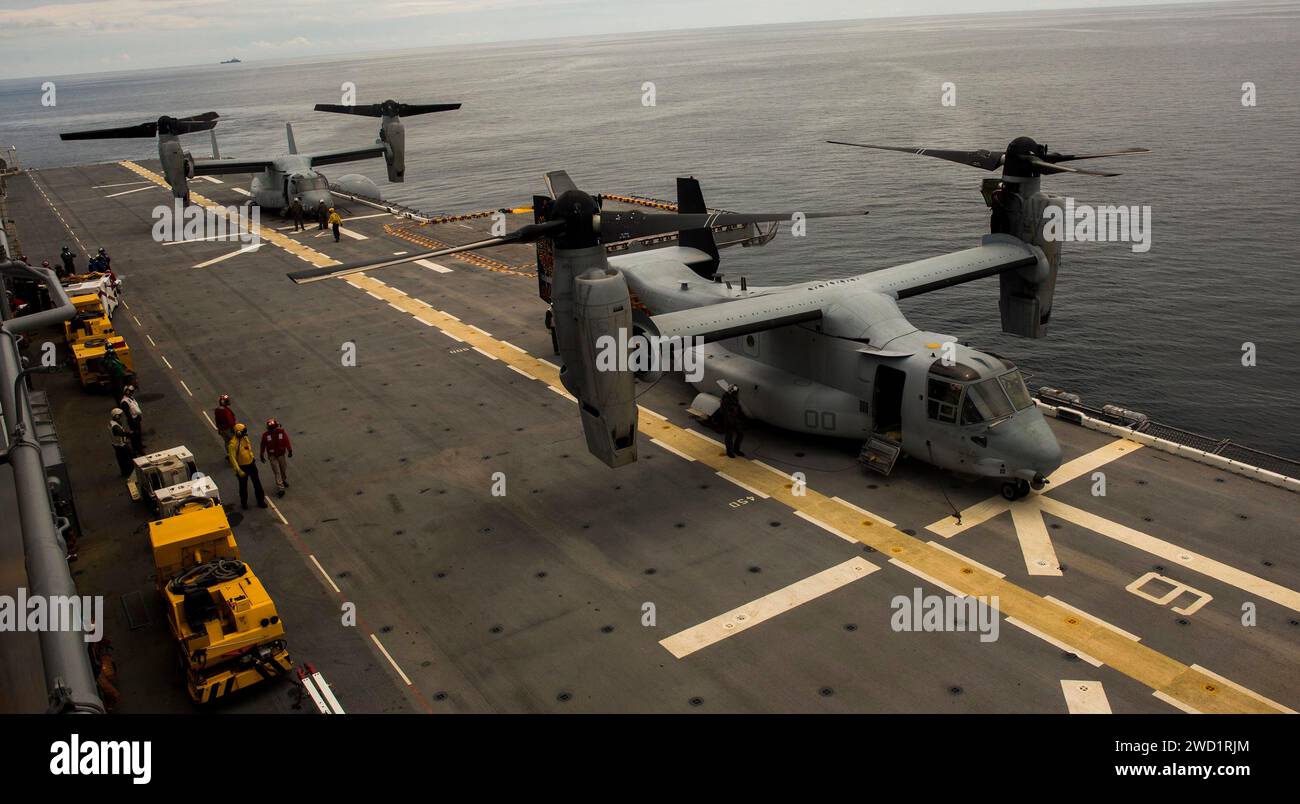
column 349, row 155
column 218, row 167
column 996, row 254
column 715, row 322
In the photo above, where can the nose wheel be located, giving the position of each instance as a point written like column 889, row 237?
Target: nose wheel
column 1015, row 489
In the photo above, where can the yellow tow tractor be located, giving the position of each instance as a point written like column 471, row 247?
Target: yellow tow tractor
column 91, row 320
column 227, row 630
column 89, row 355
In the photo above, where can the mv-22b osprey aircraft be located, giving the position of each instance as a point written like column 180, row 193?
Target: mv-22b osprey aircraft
column 278, row 180
column 833, row 357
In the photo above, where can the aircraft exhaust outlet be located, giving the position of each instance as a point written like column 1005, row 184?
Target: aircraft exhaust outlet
column 607, row 398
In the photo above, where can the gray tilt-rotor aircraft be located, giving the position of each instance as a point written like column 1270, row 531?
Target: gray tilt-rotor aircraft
column 279, row 179
column 833, row 357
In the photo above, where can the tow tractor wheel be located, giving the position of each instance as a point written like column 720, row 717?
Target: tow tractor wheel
column 1015, row 489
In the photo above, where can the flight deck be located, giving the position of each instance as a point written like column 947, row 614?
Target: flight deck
column 448, row 545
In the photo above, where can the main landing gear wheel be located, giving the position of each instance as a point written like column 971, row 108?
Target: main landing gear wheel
column 1015, row 489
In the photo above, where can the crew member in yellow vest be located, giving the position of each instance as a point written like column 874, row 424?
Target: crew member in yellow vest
column 244, row 461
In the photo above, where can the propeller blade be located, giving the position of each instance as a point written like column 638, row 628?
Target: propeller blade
column 1047, row 168
column 524, row 234
column 409, row 109
column 988, row 160
column 388, row 108
column 123, row 132
column 630, row 224
column 204, row 116
column 559, row 183
column 1055, row 157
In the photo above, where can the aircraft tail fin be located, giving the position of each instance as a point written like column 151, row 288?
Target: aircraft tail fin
column 216, row 152
column 690, row 199
column 288, row 132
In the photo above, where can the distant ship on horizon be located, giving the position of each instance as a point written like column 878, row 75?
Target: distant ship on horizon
column 232, row 61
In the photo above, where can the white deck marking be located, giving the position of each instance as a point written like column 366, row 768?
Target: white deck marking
column 672, row 449
column 1085, row 615
column 211, row 423
column 151, row 341
column 1085, row 697
column 309, row 684
column 684, row 643
column 233, row 237
column 967, row 559
column 211, row 179
column 1171, row 552
column 325, row 574
column 277, row 511
column 119, row 184
column 746, row 487
column 834, row 531
column 128, row 192
column 166, row 361
column 242, row 191
column 1177, row 704
column 367, row 217
column 1243, row 690
column 390, row 659
column 343, row 230
column 1055, row 642
column 864, row 512
column 187, row 388
column 518, row 370
column 433, row 266
column 224, row 257
column 1035, row 543
column 328, row 693
column 930, row 579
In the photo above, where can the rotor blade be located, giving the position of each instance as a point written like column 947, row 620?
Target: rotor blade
column 524, row 234
column 365, row 110
column 191, row 126
column 408, row 109
column 559, row 183
column 141, row 130
column 204, row 116
column 1055, row 157
column 630, row 224
column 1046, row 168
column 988, row 160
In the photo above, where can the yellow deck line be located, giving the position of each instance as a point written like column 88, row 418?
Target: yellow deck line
column 1161, row 673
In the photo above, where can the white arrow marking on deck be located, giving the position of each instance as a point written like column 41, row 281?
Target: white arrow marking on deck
column 215, row 260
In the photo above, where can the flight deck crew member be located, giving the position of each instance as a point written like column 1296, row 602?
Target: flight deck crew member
column 295, row 210
column 113, row 366
column 732, row 426
column 322, row 215
column 224, row 417
column 69, row 262
column 121, row 436
column 129, row 404
column 275, row 442
column 240, row 452
column 336, row 221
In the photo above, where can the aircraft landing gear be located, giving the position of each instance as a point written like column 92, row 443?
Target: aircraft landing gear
column 1015, row 489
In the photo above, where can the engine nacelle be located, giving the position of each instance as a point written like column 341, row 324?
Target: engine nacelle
column 392, row 133
column 606, row 392
column 356, row 184
column 176, row 165
column 1025, row 294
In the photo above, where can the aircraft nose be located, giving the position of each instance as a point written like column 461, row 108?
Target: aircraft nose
column 1031, row 447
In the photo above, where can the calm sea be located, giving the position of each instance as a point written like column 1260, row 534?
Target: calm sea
column 746, row 111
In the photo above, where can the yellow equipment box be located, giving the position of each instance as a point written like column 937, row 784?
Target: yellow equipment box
column 89, row 353
column 91, row 320
column 228, row 632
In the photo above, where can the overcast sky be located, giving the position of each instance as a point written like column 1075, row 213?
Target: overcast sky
column 60, row 37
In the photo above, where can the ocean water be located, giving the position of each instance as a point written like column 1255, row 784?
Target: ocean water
column 746, row 111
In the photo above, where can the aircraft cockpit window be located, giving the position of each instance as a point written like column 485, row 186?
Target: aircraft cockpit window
column 944, row 397
column 985, row 401
column 1016, row 390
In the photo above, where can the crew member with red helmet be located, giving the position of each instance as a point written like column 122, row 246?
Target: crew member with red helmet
column 224, row 417
column 275, row 442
